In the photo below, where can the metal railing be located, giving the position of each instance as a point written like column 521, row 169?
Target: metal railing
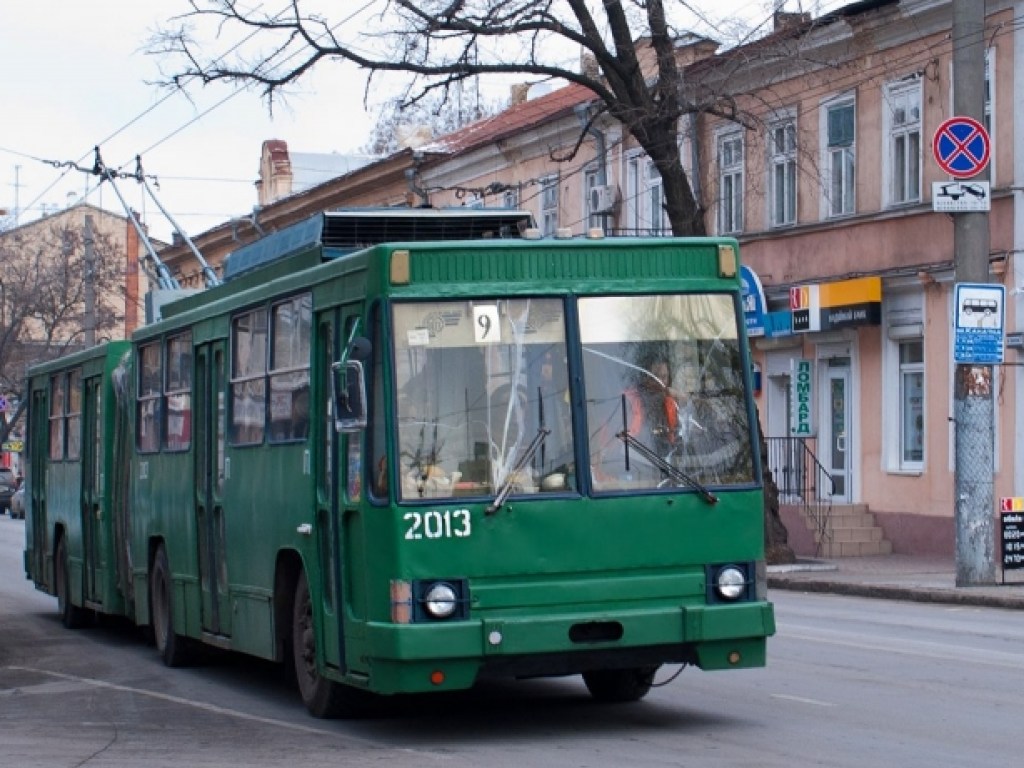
column 803, row 481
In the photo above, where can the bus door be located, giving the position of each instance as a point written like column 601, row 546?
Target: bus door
column 326, row 451
column 38, row 451
column 92, row 489
column 210, row 426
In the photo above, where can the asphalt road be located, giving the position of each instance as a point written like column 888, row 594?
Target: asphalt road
column 850, row 682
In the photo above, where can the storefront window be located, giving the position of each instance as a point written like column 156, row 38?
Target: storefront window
column 911, row 404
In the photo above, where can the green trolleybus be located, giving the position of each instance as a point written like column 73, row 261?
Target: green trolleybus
column 402, row 455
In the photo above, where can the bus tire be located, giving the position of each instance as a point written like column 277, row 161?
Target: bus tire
column 171, row 646
column 619, row 685
column 71, row 616
column 322, row 697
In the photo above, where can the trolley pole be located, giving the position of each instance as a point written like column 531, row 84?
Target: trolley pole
column 973, row 404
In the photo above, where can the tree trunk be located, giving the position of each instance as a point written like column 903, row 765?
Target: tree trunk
column 776, row 537
column 687, row 220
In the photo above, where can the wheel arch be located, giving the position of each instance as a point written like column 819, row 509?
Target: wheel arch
column 60, row 534
column 287, row 569
column 144, row 608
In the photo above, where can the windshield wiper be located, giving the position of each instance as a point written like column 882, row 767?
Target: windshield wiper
column 520, row 465
column 424, row 464
column 673, row 472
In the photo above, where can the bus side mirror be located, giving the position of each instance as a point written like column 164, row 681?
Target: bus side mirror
column 359, row 348
column 348, row 386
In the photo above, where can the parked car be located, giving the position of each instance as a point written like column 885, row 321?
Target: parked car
column 18, row 503
column 8, row 485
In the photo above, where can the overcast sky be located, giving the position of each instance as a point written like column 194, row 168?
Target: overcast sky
column 73, row 75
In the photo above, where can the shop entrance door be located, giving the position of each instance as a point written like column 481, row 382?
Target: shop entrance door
column 837, row 425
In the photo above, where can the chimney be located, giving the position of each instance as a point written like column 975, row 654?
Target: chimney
column 131, row 278
column 518, row 94
column 783, row 20
column 588, row 64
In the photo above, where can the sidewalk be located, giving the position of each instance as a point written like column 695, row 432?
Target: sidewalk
column 895, row 577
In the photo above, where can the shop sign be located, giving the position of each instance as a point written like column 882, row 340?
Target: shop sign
column 830, row 306
column 802, row 398
column 753, row 301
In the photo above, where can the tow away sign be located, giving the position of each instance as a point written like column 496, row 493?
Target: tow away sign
column 961, row 196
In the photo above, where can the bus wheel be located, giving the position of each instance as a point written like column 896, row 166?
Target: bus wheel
column 619, row 685
column 322, row 697
column 71, row 615
column 170, row 645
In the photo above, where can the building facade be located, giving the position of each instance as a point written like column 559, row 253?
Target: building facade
column 69, row 279
column 827, row 182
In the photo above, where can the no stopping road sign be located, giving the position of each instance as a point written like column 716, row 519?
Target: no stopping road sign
column 961, row 147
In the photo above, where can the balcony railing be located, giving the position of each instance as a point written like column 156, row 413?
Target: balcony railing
column 803, row 481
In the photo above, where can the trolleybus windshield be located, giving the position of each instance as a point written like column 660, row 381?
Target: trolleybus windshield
column 484, row 404
column 477, row 382
column 667, row 372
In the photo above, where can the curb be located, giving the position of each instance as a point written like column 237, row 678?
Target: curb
column 894, row 592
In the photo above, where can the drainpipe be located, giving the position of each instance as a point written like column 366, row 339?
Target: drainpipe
column 1018, row 251
column 582, row 114
column 694, row 161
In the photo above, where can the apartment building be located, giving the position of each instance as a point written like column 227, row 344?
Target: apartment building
column 827, row 183
column 48, row 256
column 48, row 296
column 833, row 198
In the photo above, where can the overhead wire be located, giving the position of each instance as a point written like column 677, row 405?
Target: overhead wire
column 828, row 86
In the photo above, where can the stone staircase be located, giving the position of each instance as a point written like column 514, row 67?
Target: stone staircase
column 852, row 533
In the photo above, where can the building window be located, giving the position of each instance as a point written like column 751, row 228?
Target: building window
column 590, row 181
column 645, row 207
column 988, row 108
column 989, row 67
column 510, row 198
column 904, row 136
column 549, row 206
column 782, row 172
column 655, row 203
column 911, row 403
column 839, row 163
column 730, row 183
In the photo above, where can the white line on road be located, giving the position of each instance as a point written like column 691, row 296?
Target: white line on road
column 801, row 700
column 177, row 700
column 924, row 649
column 226, row 712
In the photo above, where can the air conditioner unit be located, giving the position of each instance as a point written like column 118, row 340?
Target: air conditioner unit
column 602, row 199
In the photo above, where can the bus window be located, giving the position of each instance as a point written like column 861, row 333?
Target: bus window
column 58, row 388
column 74, row 415
column 178, row 401
column 248, row 382
column 667, row 371
column 476, row 382
column 291, row 329
column 147, row 418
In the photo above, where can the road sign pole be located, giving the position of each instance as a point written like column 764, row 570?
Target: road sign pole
column 973, row 406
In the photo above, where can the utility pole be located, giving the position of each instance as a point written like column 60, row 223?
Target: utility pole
column 89, row 287
column 973, row 404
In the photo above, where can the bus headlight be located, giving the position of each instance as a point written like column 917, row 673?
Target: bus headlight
column 440, row 601
column 731, row 583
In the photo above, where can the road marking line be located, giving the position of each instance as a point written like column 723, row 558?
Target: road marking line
column 923, row 648
column 801, row 700
column 178, row 700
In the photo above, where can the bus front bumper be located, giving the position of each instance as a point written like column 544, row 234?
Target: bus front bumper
column 450, row 656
